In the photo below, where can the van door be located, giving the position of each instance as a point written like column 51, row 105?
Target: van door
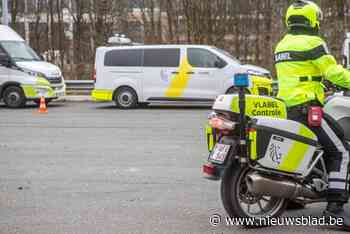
column 4, row 76
column 122, row 67
column 4, row 71
column 207, row 74
column 160, row 66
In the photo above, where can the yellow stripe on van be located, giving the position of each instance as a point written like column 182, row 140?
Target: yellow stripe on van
column 29, row 91
column 102, row 95
column 180, row 81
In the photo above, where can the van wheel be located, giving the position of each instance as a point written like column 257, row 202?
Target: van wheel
column 14, row 97
column 126, row 98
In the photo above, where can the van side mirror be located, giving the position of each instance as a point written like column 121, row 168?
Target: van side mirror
column 5, row 60
column 219, row 63
column 42, row 57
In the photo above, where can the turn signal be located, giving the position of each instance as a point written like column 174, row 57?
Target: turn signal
column 221, row 124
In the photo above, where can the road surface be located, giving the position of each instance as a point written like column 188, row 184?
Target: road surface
column 91, row 168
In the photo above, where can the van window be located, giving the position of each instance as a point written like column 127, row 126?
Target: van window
column 161, row 57
column 19, row 51
column 123, row 58
column 2, row 52
column 203, row 58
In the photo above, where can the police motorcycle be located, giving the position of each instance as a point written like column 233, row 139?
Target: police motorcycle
column 263, row 159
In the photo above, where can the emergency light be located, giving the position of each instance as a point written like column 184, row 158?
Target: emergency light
column 241, row 80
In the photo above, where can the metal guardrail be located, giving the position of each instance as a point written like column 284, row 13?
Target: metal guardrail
column 79, row 86
column 86, row 86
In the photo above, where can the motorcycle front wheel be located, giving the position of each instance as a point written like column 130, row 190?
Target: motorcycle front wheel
column 251, row 209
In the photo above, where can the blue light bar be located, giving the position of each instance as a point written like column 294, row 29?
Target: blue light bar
column 241, row 80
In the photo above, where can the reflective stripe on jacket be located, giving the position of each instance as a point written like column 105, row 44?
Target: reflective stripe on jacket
column 301, row 61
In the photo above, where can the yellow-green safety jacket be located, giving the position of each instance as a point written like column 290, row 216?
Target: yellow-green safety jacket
column 301, row 62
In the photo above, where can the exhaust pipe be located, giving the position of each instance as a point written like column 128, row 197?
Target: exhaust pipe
column 277, row 187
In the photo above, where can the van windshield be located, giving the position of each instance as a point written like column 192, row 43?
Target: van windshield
column 19, row 51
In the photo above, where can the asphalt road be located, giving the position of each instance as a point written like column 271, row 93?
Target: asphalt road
column 91, row 168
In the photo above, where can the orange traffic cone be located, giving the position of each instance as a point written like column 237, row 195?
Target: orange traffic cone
column 42, row 108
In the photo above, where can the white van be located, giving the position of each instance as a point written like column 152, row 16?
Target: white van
column 131, row 75
column 24, row 76
column 346, row 51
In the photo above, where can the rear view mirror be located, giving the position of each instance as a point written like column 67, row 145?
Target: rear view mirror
column 5, row 60
column 219, row 63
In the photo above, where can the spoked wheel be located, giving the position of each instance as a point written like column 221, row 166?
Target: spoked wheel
column 240, row 203
column 126, row 98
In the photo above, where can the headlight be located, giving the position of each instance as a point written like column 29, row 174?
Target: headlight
column 34, row 73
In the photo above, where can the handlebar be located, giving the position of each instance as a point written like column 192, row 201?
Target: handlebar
column 331, row 89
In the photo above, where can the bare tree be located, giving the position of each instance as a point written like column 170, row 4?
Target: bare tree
column 249, row 29
column 14, row 9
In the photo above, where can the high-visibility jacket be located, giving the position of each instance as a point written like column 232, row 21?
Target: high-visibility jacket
column 302, row 62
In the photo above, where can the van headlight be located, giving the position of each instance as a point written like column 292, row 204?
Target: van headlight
column 33, row 73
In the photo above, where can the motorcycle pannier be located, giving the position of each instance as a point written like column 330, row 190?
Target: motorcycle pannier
column 283, row 145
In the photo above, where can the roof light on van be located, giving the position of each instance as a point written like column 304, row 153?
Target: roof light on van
column 119, row 40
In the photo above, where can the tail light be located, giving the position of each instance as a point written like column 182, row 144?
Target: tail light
column 221, row 124
column 210, row 171
column 315, row 115
column 93, row 77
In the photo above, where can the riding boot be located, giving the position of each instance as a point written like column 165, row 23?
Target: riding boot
column 336, row 210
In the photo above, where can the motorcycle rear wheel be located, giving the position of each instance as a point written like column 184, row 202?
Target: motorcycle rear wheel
column 240, row 203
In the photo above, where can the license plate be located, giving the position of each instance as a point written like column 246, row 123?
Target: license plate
column 219, row 153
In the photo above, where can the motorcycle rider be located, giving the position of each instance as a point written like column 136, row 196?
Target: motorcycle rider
column 302, row 61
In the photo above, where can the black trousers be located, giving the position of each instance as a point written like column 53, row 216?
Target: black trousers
column 336, row 155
